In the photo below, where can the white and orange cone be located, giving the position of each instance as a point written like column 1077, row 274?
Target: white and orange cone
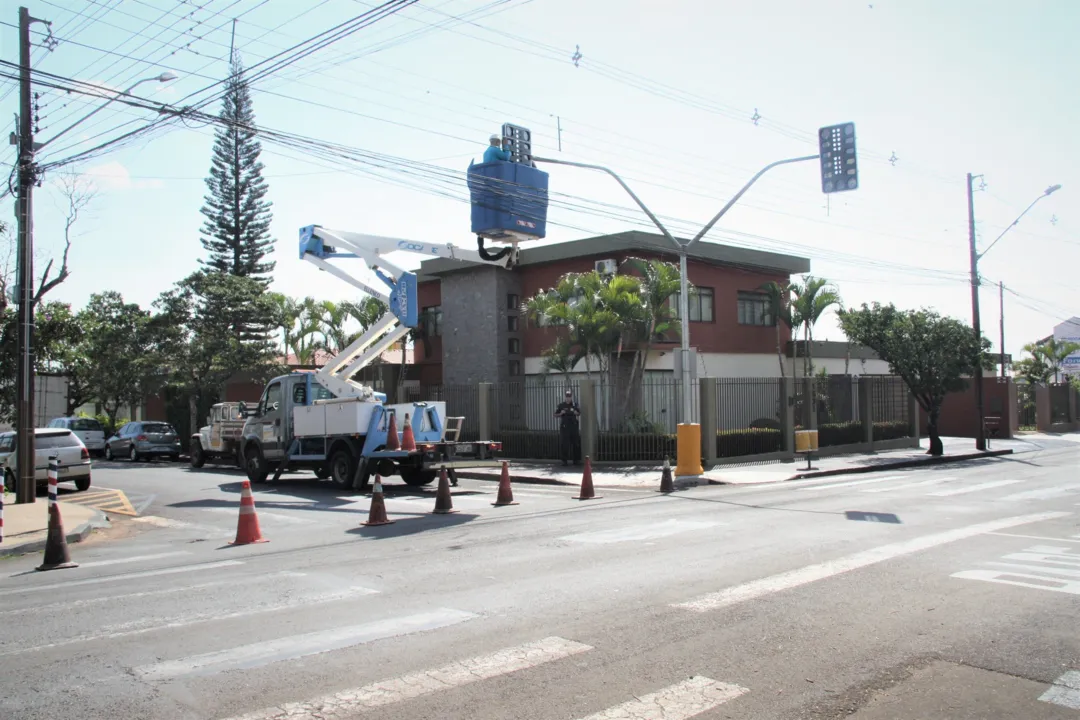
column 247, row 524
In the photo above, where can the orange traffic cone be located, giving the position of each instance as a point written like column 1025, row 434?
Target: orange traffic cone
column 586, row 483
column 408, row 440
column 392, row 440
column 57, row 556
column 443, row 503
column 667, row 484
column 377, row 513
column 506, row 495
column 247, row 525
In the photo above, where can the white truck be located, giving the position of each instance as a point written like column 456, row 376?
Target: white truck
column 327, row 422
column 219, row 440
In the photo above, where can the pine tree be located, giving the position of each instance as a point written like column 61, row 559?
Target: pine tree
column 236, row 233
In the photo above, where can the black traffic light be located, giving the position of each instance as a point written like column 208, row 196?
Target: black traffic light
column 839, row 171
column 518, row 141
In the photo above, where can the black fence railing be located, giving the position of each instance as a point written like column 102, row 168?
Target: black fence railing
column 461, row 401
column 637, row 423
column 749, row 412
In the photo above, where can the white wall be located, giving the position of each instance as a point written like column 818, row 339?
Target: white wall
column 740, row 365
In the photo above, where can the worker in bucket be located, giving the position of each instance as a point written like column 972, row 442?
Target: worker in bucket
column 568, row 413
column 495, row 151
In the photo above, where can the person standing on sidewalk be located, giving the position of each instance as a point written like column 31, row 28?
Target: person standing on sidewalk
column 568, row 413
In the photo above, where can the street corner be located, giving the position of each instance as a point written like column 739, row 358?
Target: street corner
column 110, row 501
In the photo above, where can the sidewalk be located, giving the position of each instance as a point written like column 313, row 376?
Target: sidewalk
column 750, row 473
column 26, row 526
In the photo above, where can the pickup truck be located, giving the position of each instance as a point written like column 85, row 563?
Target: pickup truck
column 299, row 424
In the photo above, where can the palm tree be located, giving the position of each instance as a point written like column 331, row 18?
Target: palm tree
column 288, row 313
column 780, row 311
column 811, row 300
column 659, row 282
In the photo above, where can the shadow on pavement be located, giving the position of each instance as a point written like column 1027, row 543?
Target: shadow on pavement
column 412, row 525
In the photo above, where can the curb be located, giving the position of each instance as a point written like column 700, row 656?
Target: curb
column 77, row 535
column 899, row 464
column 532, row 480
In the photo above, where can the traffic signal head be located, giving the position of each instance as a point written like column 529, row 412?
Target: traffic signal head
column 839, row 170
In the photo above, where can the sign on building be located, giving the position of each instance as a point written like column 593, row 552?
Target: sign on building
column 1069, row 331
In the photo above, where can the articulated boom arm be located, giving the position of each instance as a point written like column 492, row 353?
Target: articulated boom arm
column 319, row 245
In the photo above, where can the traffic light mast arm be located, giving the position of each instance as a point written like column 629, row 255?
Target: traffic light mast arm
column 735, row 199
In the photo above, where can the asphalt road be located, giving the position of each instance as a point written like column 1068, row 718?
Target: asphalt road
column 939, row 593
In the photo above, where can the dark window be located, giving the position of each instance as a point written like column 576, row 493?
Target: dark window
column 515, row 368
column 754, row 309
column 432, row 320
column 7, row 443
column 700, row 304
column 273, row 397
column 159, row 428
column 512, row 323
column 515, row 346
column 299, row 393
column 85, row 424
column 512, row 302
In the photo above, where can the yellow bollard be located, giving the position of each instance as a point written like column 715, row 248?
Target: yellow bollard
column 806, row 441
column 688, row 451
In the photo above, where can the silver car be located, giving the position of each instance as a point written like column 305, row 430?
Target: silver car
column 89, row 430
column 71, row 455
column 144, row 439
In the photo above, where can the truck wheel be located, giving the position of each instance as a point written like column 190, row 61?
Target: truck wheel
column 257, row 469
column 322, row 472
column 342, row 466
column 198, row 457
column 418, row 478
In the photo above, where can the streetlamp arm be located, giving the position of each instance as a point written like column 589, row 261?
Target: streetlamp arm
column 735, row 199
column 164, row 77
column 1011, row 226
column 625, row 187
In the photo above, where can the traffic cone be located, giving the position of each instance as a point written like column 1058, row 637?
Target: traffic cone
column 506, row 495
column 247, row 524
column 57, row 556
column 392, row 441
column 408, row 440
column 377, row 512
column 586, row 483
column 443, row 503
column 667, row 485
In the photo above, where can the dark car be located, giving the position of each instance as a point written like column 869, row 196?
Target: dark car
column 144, row 439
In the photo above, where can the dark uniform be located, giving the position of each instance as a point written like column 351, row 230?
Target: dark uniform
column 569, row 432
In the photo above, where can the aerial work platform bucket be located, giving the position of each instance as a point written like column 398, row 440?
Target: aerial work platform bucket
column 509, row 201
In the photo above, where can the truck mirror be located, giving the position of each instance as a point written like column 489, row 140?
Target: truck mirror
column 243, row 409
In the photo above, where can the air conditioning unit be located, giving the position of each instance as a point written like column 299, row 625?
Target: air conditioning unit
column 606, row 267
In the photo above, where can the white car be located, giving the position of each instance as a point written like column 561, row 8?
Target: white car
column 89, row 430
column 71, row 455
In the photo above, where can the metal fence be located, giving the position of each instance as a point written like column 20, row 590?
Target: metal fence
column 1025, row 400
column 748, row 416
column 1059, row 403
column 461, row 401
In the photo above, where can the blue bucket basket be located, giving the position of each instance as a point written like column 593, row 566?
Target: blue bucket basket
column 509, row 201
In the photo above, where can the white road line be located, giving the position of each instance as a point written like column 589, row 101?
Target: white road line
column 849, row 483
column 1065, row 691
column 676, row 702
column 1035, row 537
column 1043, row 494
column 290, row 648
column 1000, row 576
column 820, row 571
column 76, row 604
column 136, row 558
column 973, row 488
column 1039, row 569
column 125, row 576
column 387, row 692
column 151, row 624
column 908, row 486
column 639, row 532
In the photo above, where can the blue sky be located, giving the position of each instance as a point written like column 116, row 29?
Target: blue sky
column 664, row 94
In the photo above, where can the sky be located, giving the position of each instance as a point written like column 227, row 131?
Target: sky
column 686, row 99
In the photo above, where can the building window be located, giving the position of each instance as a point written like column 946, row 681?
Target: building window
column 515, row 368
column 512, row 323
column 431, row 318
column 515, row 346
column 754, row 309
column 700, row 304
column 512, row 301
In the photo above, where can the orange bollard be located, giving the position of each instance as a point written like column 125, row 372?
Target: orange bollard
column 392, row 440
column 408, row 440
column 377, row 512
column 506, row 495
column 443, row 503
column 247, row 524
column 587, row 492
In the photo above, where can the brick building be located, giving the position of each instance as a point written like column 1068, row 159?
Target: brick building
column 476, row 331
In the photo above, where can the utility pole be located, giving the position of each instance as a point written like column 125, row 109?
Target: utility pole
column 1001, row 303
column 980, row 435
column 25, row 489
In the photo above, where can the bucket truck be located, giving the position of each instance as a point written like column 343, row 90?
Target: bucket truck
column 329, row 422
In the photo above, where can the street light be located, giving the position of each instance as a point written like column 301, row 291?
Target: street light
column 162, row 78
column 976, row 256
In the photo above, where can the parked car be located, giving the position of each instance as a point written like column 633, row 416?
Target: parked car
column 144, row 439
column 71, row 455
column 89, row 430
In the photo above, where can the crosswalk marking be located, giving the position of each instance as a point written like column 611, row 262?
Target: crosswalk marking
column 132, row 559
column 264, row 514
column 1038, row 581
column 151, row 624
column 297, row 646
column 973, row 488
column 676, row 702
column 1065, row 691
column 849, row 483
column 1042, row 494
column 639, row 532
column 812, row 573
column 387, row 692
column 125, row 576
column 908, row 486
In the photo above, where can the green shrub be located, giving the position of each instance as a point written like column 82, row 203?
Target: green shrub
column 748, row 441
column 847, row 433
column 891, row 430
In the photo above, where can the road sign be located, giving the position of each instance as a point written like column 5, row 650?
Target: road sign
column 839, row 170
column 518, row 141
